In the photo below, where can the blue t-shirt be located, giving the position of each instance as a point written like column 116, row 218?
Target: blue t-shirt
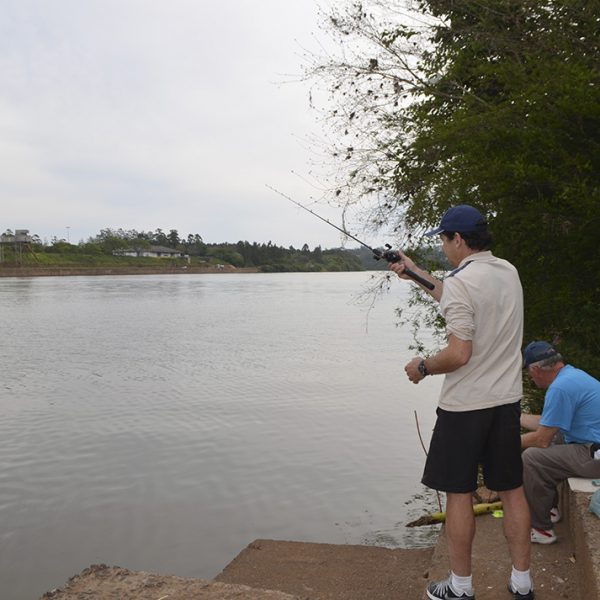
column 572, row 404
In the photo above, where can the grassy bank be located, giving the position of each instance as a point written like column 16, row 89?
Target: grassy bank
column 62, row 258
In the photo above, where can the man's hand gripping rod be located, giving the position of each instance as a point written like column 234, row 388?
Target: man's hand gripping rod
column 389, row 254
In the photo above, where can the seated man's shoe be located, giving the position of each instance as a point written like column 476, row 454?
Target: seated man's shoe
column 443, row 590
column 555, row 515
column 517, row 595
column 542, row 536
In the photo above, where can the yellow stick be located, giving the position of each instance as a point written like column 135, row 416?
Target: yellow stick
column 440, row 517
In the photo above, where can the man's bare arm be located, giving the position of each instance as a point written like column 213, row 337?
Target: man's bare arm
column 530, row 422
column 456, row 354
column 406, row 262
column 541, row 438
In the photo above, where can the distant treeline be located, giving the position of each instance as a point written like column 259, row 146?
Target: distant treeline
column 265, row 257
column 104, row 249
column 271, row 258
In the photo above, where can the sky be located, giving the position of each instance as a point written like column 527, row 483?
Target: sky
column 146, row 114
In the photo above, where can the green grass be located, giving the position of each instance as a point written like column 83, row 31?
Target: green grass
column 52, row 259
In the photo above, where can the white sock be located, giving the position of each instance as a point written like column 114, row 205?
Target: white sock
column 521, row 581
column 462, row 584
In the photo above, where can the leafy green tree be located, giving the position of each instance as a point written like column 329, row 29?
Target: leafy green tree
column 194, row 245
column 61, row 247
column 173, row 238
column 139, row 244
column 110, row 239
column 90, row 248
column 159, row 238
column 494, row 103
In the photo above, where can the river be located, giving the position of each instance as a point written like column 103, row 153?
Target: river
column 163, row 422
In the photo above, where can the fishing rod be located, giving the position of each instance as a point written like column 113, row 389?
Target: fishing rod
column 390, row 255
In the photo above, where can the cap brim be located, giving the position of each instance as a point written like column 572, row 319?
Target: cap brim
column 435, row 231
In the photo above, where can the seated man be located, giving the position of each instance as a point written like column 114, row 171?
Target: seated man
column 571, row 408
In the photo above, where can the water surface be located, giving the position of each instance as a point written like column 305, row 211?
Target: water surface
column 162, row 423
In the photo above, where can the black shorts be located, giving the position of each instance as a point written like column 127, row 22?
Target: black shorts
column 461, row 441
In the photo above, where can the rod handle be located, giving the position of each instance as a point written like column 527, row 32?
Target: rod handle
column 394, row 257
column 419, row 279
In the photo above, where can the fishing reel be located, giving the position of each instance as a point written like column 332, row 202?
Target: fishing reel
column 394, row 257
column 389, row 254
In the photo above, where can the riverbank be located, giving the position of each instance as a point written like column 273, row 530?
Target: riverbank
column 282, row 570
column 54, row 271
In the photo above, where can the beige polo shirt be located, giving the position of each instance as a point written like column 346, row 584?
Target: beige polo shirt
column 482, row 301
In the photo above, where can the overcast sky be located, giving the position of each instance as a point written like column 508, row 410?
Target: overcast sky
column 143, row 114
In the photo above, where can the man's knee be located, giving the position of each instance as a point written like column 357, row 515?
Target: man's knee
column 530, row 456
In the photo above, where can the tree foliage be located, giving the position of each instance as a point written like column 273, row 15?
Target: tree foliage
column 264, row 257
column 272, row 258
column 116, row 239
column 494, row 103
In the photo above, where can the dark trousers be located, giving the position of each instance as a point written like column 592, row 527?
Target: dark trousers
column 545, row 468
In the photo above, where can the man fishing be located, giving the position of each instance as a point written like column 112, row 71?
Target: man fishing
column 479, row 405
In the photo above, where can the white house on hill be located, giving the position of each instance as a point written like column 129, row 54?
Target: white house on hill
column 152, row 252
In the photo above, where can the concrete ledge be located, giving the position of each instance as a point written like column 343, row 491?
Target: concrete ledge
column 585, row 531
column 579, row 484
column 314, row 571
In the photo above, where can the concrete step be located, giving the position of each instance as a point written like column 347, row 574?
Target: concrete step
column 332, row 572
column 327, row 571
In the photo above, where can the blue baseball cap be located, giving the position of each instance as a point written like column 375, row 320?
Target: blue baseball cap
column 536, row 351
column 462, row 218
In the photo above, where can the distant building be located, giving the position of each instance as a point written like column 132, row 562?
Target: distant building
column 152, row 252
column 19, row 239
column 161, row 252
column 125, row 252
column 20, row 236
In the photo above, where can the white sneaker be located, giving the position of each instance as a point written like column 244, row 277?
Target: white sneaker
column 542, row 536
column 555, row 515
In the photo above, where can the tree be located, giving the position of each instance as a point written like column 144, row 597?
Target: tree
column 159, row 238
column 110, row 239
column 173, row 238
column 495, row 103
column 139, row 244
column 194, row 245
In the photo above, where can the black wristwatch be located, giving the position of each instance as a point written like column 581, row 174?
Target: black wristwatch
column 423, row 369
